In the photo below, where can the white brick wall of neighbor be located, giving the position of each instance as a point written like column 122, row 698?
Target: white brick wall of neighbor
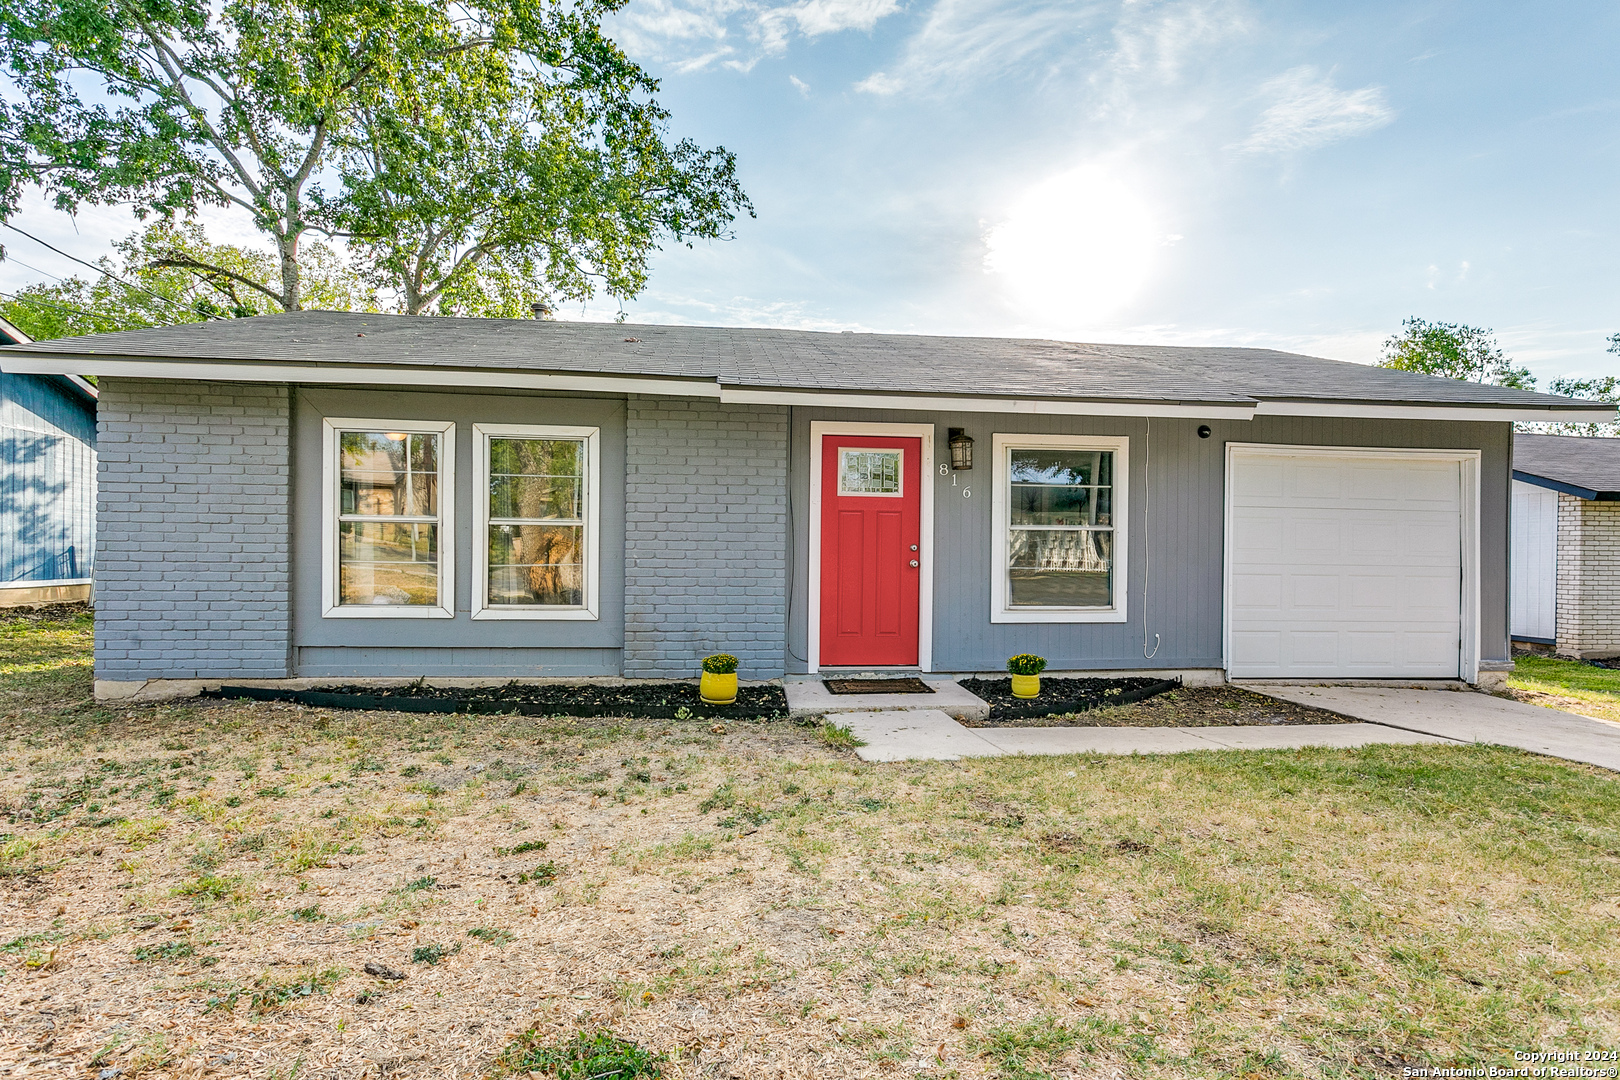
column 1588, row 578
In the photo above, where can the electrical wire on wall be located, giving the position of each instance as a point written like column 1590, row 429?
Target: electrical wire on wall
column 1147, row 536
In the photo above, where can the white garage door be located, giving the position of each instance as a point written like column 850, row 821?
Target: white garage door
column 1344, row 565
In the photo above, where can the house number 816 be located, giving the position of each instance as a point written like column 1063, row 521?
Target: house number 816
column 945, row 470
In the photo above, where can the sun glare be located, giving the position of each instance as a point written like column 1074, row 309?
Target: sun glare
column 1075, row 248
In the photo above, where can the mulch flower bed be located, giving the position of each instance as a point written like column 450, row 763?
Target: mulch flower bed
column 651, row 701
column 1197, row 706
column 1060, row 696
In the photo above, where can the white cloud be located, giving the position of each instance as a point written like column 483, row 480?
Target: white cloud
column 691, row 35
column 1308, row 111
column 800, row 85
column 969, row 41
column 1075, row 248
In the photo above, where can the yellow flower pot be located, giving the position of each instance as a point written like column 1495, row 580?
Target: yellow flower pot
column 1026, row 685
column 718, row 689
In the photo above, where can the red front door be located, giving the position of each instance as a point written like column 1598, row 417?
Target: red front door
column 871, row 535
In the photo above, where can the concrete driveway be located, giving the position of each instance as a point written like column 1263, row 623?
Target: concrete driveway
column 1464, row 716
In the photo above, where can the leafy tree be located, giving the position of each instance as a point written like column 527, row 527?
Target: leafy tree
column 476, row 155
column 1453, row 351
column 1603, row 388
column 171, row 273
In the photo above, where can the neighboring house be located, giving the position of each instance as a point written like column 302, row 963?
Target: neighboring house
column 341, row 496
column 1566, row 544
column 47, row 484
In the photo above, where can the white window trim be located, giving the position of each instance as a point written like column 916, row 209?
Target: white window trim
column 925, row 556
column 331, row 486
column 481, row 607
column 1000, row 500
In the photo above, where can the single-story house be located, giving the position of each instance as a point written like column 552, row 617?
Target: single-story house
column 347, row 496
column 1566, row 544
column 47, row 484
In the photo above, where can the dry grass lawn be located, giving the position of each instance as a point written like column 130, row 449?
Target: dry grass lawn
column 200, row 889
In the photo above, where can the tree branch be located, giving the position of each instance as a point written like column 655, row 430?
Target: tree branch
column 186, row 262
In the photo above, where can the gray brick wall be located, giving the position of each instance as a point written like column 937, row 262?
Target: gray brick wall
column 192, row 568
column 705, row 542
column 1588, row 577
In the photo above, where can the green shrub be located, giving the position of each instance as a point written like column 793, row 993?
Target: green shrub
column 720, row 664
column 1026, row 664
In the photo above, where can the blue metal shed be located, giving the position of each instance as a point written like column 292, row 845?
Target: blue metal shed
column 47, row 484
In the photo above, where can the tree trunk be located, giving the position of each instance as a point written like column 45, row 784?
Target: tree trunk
column 291, row 274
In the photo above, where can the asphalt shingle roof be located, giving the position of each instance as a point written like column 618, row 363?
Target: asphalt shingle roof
column 1589, row 468
column 739, row 357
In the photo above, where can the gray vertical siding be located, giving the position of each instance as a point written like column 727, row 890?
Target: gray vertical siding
column 192, row 575
column 1177, row 509
column 705, row 536
column 462, row 646
column 47, row 480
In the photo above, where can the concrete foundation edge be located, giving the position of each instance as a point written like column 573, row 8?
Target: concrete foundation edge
column 151, row 691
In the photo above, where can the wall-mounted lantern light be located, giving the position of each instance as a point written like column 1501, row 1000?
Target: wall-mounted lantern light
column 961, row 450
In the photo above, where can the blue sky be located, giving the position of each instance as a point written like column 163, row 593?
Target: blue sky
column 1293, row 175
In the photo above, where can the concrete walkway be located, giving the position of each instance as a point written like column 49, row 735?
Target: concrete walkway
column 1464, row 716
column 931, row 735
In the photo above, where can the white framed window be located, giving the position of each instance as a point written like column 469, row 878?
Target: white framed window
column 536, row 522
column 388, row 519
column 1058, row 511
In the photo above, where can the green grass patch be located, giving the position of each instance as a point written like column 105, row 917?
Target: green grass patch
column 838, row 736
column 271, row 993
column 587, row 1055
column 174, row 950
column 432, row 954
column 1595, row 686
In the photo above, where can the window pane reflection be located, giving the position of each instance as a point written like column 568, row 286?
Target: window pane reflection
column 537, row 527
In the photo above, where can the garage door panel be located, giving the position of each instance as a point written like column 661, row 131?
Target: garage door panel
column 1373, row 597
column 1317, row 648
column 1317, row 538
column 1261, row 593
column 1345, row 565
column 1264, row 481
column 1436, row 652
column 1376, row 648
column 1314, row 594
column 1260, row 650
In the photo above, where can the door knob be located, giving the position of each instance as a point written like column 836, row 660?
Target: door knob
column 914, row 564
column 913, row 547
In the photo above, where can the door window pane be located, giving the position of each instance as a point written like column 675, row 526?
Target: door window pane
column 869, row 472
column 536, row 522
column 388, row 510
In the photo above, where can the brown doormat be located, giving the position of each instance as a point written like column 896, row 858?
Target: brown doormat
column 877, row 686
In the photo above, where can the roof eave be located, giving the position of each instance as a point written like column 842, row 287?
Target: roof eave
column 1590, row 494
column 1577, row 412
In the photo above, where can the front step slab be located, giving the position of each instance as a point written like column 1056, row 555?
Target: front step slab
column 912, row 735
column 811, row 698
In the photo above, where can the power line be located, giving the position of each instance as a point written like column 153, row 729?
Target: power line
column 35, row 269
column 98, row 269
column 22, row 298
